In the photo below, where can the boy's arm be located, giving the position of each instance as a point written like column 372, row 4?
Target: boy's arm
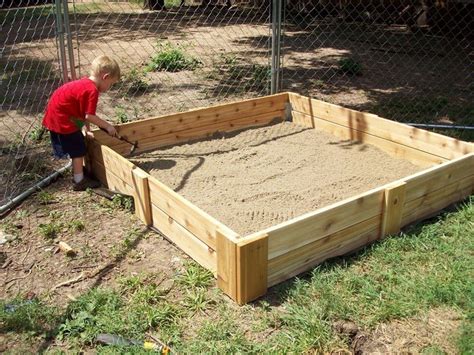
column 101, row 123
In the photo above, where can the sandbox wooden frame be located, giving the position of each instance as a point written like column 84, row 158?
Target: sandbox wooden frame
column 245, row 266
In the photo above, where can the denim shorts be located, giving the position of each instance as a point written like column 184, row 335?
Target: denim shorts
column 71, row 144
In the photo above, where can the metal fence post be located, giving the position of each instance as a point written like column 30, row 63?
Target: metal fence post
column 70, row 48
column 60, row 39
column 276, row 43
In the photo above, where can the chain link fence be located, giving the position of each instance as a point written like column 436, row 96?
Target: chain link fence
column 406, row 60
column 410, row 61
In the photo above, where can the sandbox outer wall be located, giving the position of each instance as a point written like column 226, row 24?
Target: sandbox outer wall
column 245, row 266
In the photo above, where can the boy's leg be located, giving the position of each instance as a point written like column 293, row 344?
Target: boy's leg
column 74, row 145
column 78, row 168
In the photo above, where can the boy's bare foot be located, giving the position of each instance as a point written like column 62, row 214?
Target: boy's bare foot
column 85, row 183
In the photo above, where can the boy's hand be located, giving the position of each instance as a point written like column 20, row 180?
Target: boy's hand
column 111, row 130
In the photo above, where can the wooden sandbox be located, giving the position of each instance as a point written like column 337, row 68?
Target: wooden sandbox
column 245, row 266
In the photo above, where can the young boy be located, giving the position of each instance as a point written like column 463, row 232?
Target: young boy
column 72, row 106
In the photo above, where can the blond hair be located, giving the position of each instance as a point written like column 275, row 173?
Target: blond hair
column 105, row 65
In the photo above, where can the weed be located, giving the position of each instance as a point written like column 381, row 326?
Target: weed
column 37, row 134
column 350, row 66
column 96, row 312
column 134, row 82
column 195, row 276
column 76, row 225
column 26, row 316
column 49, row 230
column 123, row 202
column 45, row 197
column 172, row 58
column 118, row 202
column 196, row 300
column 121, row 114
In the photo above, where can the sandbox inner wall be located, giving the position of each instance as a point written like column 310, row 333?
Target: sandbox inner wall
column 257, row 178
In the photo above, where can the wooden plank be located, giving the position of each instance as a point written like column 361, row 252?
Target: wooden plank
column 227, row 265
column 430, row 204
column 433, row 143
column 252, row 268
column 195, row 220
column 415, row 156
column 200, row 132
column 394, row 199
column 112, row 181
column 304, row 258
column 142, row 196
column 437, row 177
column 302, row 119
column 169, row 124
column 120, row 166
column 312, row 226
column 185, row 240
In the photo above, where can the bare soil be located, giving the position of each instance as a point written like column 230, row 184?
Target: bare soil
column 260, row 177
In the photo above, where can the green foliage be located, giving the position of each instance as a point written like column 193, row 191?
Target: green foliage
column 96, row 312
column 172, row 58
column 134, row 82
column 37, row 134
column 464, row 341
column 196, row 300
column 88, row 8
column 45, row 197
column 222, row 336
column 26, row 316
column 195, row 276
column 350, row 66
column 50, row 230
column 76, row 225
column 121, row 115
column 396, row 278
column 25, row 14
column 119, row 202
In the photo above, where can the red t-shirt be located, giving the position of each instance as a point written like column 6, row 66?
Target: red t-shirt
column 69, row 104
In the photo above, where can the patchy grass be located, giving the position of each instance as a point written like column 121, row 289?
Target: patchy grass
column 31, row 316
column 9, row 16
column 401, row 277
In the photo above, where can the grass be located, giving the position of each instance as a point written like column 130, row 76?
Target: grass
column 9, row 16
column 426, row 267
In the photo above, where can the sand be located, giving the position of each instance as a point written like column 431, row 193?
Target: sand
column 260, row 177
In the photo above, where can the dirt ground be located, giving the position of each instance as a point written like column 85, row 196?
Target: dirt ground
column 260, row 177
column 112, row 243
column 405, row 76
